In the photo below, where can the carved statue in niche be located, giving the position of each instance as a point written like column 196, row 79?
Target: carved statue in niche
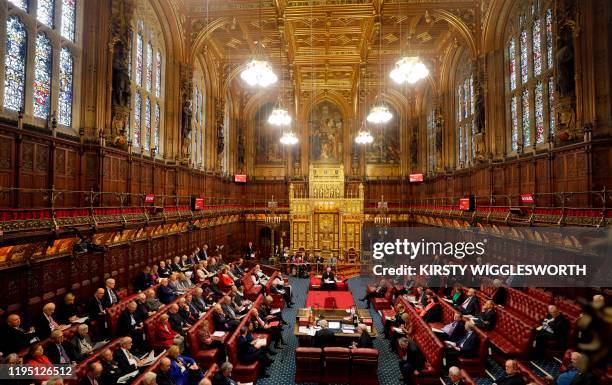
column 186, row 76
column 414, row 151
column 565, row 64
column 240, row 146
column 121, row 79
column 439, row 122
column 479, row 111
column 219, row 125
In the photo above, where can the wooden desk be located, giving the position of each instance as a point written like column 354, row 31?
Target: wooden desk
column 337, row 315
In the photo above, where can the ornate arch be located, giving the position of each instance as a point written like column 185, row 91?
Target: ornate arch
column 461, row 26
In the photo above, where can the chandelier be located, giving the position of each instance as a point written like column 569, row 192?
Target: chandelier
column 409, row 69
column 379, row 114
column 258, row 72
column 364, row 137
column 279, row 116
column 381, row 218
column 272, row 218
column 289, row 138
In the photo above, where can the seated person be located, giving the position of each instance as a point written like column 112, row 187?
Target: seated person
column 202, row 271
column 67, row 311
column 238, row 269
column 130, row 324
column 258, row 277
column 328, row 280
column 152, row 303
column 165, row 293
column 141, row 307
column 421, row 296
column 195, row 312
column 228, row 308
column 110, row 369
column 467, row 346
column 92, row 375
column 183, row 283
column 411, row 361
column 163, row 372
column 396, row 320
column 279, row 287
column 45, row 323
column 221, row 321
column 82, row 345
column 553, row 329
column 454, row 374
column 59, row 351
column 469, row 304
column 365, row 340
column 273, row 327
column 403, row 330
column 432, row 312
column 144, row 279
column 14, row 337
column 165, row 335
column 268, row 314
column 487, row 318
column 512, row 375
column 223, row 375
column 176, row 265
column 36, row 357
column 126, row 360
column 163, row 271
column 225, row 280
column 249, row 351
column 454, row 330
column 575, row 374
column 324, row 337
column 207, row 341
column 217, row 290
column 186, row 312
column 500, row 293
column 456, row 295
column 183, row 370
column 177, row 322
column 198, row 301
column 380, row 292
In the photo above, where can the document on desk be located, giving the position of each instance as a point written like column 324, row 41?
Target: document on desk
column 334, row 325
column 348, row 331
column 306, row 330
column 127, row 377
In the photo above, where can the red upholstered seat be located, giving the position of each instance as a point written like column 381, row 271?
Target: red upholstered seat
column 204, row 356
column 337, row 365
column 308, row 364
column 467, row 379
column 384, row 302
column 476, row 365
column 151, row 368
column 81, row 369
column 364, row 366
column 251, row 291
column 528, row 375
column 511, row 335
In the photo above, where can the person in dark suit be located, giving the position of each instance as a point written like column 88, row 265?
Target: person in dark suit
column 130, row 324
column 500, row 293
column 454, row 330
column 94, row 370
column 454, row 374
column 126, row 360
column 110, row 369
column 380, row 292
column 512, row 375
column 111, row 297
column 44, row 323
column 144, row 280
column 487, row 317
column 163, row 372
column 274, row 328
column 249, row 252
column 221, row 321
column 165, row 293
column 68, row 310
column 14, row 337
column 248, row 353
column 469, row 304
column 238, row 270
column 553, row 329
column 467, row 346
column 59, row 351
column 328, row 280
column 411, row 361
column 365, row 340
column 324, row 337
column 421, row 296
column 432, row 312
column 164, row 271
column 224, row 375
column 176, row 320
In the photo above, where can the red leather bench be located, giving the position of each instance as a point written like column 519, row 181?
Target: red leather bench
column 204, row 356
column 364, row 367
column 476, row 365
column 315, row 284
column 511, row 335
column 337, row 365
column 308, row 364
column 381, row 303
column 80, row 370
column 251, row 291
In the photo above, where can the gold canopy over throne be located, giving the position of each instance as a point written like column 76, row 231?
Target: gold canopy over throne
column 324, row 220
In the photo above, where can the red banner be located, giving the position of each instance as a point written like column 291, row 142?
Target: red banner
column 527, row 199
column 466, row 204
column 415, row 178
column 149, row 198
column 198, row 204
column 240, row 178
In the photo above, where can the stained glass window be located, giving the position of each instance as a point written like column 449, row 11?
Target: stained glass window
column 526, row 121
column 149, row 67
column 514, row 118
column 549, row 39
column 158, row 65
column 137, row 120
column 539, row 113
column 466, row 114
column 537, row 48
column 156, row 127
column 139, row 59
column 42, row 77
column 45, row 11
column 15, row 64
column 68, row 18
column 466, row 97
column 21, row 4
column 524, row 57
column 551, row 105
column 65, row 93
column 512, row 64
column 146, row 136
column 472, row 93
column 130, row 54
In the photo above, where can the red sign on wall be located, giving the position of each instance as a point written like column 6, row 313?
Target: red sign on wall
column 527, row 199
column 149, row 198
column 198, row 204
column 415, row 178
column 240, row 178
column 466, row 204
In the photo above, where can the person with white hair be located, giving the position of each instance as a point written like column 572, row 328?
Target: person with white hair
column 111, row 297
column 149, row 378
column 575, row 373
column 454, row 373
column 499, row 294
column 126, row 360
column 223, row 375
column 512, row 376
column 552, row 330
column 365, row 340
column 324, row 337
column 465, row 347
column 81, row 343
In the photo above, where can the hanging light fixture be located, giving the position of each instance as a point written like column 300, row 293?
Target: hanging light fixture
column 364, row 137
column 289, row 138
column 279, row 116
column 409, row 69
column 380, row 113
column 258, row 71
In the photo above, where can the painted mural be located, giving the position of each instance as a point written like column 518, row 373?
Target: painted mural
column 386, row 146
column 326, row 125
column 268, row 149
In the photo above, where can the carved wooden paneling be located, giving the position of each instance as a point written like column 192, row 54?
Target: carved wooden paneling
column 34, row 173
column 7, row 166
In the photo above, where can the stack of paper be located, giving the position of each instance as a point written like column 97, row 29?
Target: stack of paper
column 348, row 331
column 334, row 325
column 219, row 334
column 80, row 320
column 126, row 378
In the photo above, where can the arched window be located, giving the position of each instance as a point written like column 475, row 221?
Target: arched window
column 198, row 131
column 43, row 83
column 145, row 66
column 529, row 78
column 464, row 94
